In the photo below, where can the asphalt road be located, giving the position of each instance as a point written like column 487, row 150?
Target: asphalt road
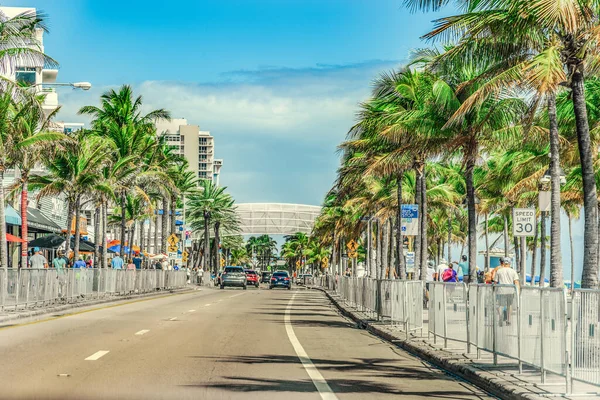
column 214, row 344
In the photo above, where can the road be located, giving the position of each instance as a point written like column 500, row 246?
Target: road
column 214, row 344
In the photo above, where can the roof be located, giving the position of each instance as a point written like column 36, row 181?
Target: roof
column 12, row 216
column 38, row 220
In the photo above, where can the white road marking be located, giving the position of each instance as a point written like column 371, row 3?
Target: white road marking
column 173, row 319
column 312, row 371
column 236, row 295
column 97, row 355
column 191, row 310
column 206, row 305
column 142, row 332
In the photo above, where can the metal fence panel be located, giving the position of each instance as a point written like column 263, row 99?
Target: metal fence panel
column 585, row 331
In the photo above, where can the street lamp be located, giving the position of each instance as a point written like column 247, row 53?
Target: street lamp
column 547, row 177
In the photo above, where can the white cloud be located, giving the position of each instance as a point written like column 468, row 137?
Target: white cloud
column 271, row 123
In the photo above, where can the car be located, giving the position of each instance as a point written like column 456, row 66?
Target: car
column 252, row 277
column 233, row 276
column 303, row 279
column 280, row 279
column 265, row 277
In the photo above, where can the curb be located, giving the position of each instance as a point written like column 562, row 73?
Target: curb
column 24, row 314
column 486, row 381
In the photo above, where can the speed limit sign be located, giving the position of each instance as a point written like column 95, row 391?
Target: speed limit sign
column 524, row 221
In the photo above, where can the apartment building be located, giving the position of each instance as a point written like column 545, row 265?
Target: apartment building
column 198, row 147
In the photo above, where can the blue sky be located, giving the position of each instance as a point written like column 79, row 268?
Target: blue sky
column 277, row 82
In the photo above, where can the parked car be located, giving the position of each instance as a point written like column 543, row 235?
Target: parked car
column 233, row 276
column 265, row 277
column 280, row 279
column 303, row 279
column 252, row 277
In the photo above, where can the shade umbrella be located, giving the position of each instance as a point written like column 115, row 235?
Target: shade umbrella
column 117, row 249
column 51, row 241
column 14, row 239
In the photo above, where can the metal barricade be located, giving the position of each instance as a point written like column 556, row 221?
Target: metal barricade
column 585, row 336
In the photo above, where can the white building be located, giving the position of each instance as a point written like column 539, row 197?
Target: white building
column 198, row 147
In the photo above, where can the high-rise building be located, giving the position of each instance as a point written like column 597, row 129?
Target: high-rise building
column 198, row 147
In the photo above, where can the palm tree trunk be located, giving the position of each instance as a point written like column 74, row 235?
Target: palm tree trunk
column 104, row 240
column 400, row 263
column 543, row 249
column 517, row 264
column 165, row 225
column 487, row 244
column 534, row 254
column 556, row 267
column 173, row 216
column 155, row 247
column 334, row 254
column 3, row 243
column 417, row 239
column 472, row 230
column 590, row 199
column 142, row 237
column 384, row 250
column 24, row 230
column 206, row 254
column 96, row 237
column 123, row 221
column 131, row 238
column 70, row 205
column 216, row 245
column 572, row 252
column 449, row 239
column 391, row 249
column 77, row 228
column 506, row 242
column 378, row 255
column 424, row 220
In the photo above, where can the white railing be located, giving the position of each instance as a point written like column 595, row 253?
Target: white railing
column 29, row 287
column 529, row 325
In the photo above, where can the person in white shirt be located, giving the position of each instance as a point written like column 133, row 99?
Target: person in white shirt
column 440, row 270
column 505, row 275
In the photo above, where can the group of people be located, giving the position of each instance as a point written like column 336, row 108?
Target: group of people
column 503, row 274
column 61, row 261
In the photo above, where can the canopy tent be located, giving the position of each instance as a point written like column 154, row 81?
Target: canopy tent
column 12, row 216
column 38, row 221
column 117, row 249
column 54, row 241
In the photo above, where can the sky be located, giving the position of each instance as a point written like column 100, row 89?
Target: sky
column 276, row 82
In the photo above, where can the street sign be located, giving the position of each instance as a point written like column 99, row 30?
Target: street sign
column 352, row 254
column 173, row 255
column 325, row 262
column 184, row 256
column 410, row 219
column 173, row 239
column 352, row 245
column 222, row 262
column 297, row 263
column 524, row 221
column 172, row 248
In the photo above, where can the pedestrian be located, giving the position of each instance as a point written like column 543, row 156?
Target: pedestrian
column 130, row 265
column 176, row 267
column 137, row 260
column 440, row 270
column 505, row 296
column 200, row 275
column 37, row 260
column 449, row 274
column 463, row 266
column 117, row 262
column 60, row 263
column 89, row 263
column 429, row 277
column 165, row 264
column 79, row 263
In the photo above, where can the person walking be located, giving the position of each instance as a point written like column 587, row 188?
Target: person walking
column 117, row 262
column 137, row 260
column 440, row 270
column 165, row 264
column 37, row 260
column 463, row 267
column 130, row 265
column 89, row 263
column 449, row 274
column 60, row 264
column 79, row 263
column 505, row 296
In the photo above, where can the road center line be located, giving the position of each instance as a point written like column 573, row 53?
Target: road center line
column 173, row 319
column 191, row 310
column 97, row 355
column 320, row 383
column 142, row 332
column 236, row 295
column 206, row 305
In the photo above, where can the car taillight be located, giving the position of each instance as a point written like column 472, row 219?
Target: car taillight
column 224, row 273
column 273, row 279
column 287, row 279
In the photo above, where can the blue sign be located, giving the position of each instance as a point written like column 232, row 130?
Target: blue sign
column 410, row 211
column 410, row 219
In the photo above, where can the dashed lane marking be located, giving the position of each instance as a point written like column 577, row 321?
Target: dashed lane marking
column 97, row 355
column 142, row 332
column 173, row 319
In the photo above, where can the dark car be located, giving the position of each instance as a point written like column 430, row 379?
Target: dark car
column 280, row 279
column 252, row 277
column 265, row 277
column 233, row 276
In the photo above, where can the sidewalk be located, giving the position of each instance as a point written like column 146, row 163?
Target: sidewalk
column 11, row 317
column 502, row 380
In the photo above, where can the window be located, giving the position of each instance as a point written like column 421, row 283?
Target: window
column 203, row 156
column 25, row 76
column 203, row 165
column 202, row 149
column 202, row 140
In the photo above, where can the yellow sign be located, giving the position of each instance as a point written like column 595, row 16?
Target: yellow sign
column 352, row 246
column 172, row 248
column 297, row 263
column 325, row 262
column 173, row 239
column 222, row 262
column 352, row 254
column 184, row 256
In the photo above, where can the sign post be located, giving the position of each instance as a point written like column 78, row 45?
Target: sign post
column 524, row 225
column 410, row 219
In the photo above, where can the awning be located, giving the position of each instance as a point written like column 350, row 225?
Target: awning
column 12, row 216
column 37, row 220
column 14, row 239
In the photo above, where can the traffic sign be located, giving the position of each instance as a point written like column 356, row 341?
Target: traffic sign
column 410, row 219
column 352, row 254
column 297, row 263
column 325, row 262
column 352, row 245
column 173, row 248
column 524, row 222
column 173, row 239
column 184, row 256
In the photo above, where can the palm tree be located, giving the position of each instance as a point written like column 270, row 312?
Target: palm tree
column 119, row 119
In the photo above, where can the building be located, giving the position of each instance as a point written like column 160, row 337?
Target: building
column 198, row 147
